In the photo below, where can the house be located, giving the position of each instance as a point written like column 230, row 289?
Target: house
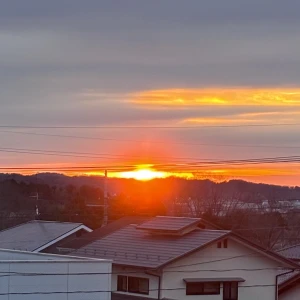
column 35, row 276
column 40, row 236
column 289, row 285
column 178, row 258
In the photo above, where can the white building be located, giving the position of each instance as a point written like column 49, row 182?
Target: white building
column 36, row 276
column 178, row 258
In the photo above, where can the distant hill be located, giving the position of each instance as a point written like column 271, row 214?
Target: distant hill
column 170, row 186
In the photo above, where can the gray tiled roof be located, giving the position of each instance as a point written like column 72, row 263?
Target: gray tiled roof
column 32, row 235
column 283, row 278
column 101, row 232
column 292, row 252
column 168, row 223
column 132, row 247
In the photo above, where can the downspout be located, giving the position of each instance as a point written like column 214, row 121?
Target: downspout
column 159, row 284
column 277, row 276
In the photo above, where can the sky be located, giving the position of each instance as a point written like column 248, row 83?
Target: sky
column 217, row 66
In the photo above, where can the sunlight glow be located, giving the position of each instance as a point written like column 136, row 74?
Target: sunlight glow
column 143, row 174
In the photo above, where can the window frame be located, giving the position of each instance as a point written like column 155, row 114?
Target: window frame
column 201, row 290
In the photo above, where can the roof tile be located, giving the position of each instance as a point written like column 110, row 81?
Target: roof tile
column 132, row 247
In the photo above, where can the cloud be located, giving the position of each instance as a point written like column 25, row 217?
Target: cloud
column 218, row 96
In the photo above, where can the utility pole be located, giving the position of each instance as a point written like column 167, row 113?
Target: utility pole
column 105, row 210
column 36, row 196
column 36, row 205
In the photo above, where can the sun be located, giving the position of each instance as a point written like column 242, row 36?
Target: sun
column 143, row 174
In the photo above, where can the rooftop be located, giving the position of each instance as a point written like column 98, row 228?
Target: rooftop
column 132, row 247
column 169, row 224
column 35, row 234
column 286, row 277
column 99, row 233
column 292, row 252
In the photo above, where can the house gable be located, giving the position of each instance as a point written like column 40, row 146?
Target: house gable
column 210, row 263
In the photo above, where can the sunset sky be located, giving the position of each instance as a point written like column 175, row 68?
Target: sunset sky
column 222, row 67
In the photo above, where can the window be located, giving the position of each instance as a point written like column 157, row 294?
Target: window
column 122, row 283
column 203, row 288
column 138, row 285
column 135, row 285
column 225, row 243
column 230, row 291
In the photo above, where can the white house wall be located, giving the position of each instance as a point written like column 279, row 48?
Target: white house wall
column 259, row 284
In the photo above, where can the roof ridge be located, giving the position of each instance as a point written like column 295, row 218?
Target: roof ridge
column 219, row 230
column 174, row 217
column 46, row 221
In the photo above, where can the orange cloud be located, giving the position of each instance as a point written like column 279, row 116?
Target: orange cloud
column 247, row 118
column 218, row 96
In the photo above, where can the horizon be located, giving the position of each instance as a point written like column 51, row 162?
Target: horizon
column 201, row 90
column 11, row 176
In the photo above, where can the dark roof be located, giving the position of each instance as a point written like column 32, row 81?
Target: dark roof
column 169, row 224
column 132, row 247
column 99, row 233
column 116, row 296
column 216, row 279
column 34, row 234
column 292, row 252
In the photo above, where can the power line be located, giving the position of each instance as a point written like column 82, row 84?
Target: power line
column 26, row 274
column 115, row 291
column 153, row 142
column 148, row 127
column 92, row 155
column 178, row 165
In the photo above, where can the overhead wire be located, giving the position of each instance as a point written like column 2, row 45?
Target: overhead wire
column 115, row 291
column 204, row 163
column 151, row 141
column 147, row 127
